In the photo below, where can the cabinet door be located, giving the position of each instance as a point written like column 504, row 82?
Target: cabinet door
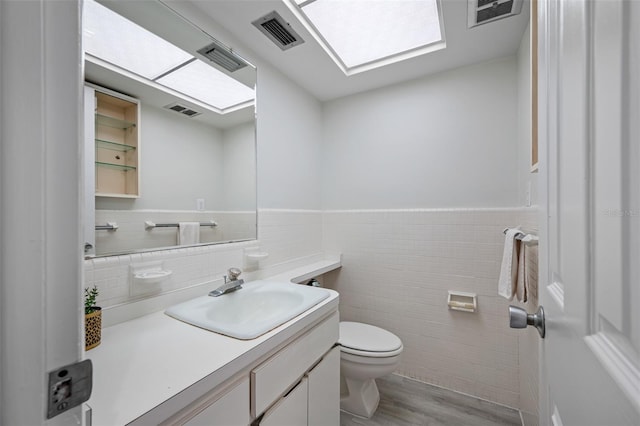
column 324, row 391
column 291, row 410
column 231, row 409
column 273, row 377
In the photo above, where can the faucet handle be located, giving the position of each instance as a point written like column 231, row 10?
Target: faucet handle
column 234, row 273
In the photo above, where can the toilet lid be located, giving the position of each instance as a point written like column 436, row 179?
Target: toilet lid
column 367, row 338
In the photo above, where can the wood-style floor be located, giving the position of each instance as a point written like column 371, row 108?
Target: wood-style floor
column 406, row 402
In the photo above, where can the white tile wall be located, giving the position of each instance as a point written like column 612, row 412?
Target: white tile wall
column 285, row 234
column 289, row 234
column 397, row 268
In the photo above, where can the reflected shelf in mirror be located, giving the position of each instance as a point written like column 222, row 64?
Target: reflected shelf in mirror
column 114, row 146
column 122, row 167
column 116, row 123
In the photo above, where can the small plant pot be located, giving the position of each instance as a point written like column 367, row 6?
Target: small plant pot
column 92, row 329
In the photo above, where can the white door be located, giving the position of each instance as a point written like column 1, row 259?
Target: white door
column 40, row 238
column 589, row 75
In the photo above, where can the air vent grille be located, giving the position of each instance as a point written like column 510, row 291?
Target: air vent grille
column 493, row 12
column 484, row 11
column 182, row 109
column 278, row 31
column 482, row 3
column 222, row 56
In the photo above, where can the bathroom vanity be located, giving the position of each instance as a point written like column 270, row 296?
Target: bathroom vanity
column 158, row 370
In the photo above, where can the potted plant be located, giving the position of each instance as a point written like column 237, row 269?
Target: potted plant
column 92, row 319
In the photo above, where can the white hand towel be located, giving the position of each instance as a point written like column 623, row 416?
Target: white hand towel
column 188, row 233
column 509, row 268
column 531, row 272
column 521, row 282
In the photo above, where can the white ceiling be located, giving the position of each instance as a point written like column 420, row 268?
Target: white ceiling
column 311, row 68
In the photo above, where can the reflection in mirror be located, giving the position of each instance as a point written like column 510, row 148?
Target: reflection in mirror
column 189, row 149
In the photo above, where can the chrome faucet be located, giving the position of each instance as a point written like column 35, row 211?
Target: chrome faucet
column 230, row 285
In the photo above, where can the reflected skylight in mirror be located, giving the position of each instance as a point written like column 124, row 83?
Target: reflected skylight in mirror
column 117, row 41
column 207, row 84
column 120, row 42
column 362, row 32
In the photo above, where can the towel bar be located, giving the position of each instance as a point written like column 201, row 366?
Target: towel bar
column 526, row 237
column 110, row 226
column 150, row 225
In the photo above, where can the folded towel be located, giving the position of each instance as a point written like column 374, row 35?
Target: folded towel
column 188, row 233
column 521, row 282
column 531, row 272
column 509, row 268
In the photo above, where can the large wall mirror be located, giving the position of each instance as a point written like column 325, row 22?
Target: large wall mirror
column 184, row 149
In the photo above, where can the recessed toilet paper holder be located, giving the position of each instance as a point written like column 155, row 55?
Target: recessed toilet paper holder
column 461, row 301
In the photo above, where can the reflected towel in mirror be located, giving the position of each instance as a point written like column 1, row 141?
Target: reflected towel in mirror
column 188, row 233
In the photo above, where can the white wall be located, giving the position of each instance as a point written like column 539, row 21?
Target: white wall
column 239, row 167
column 447, row 140
column 289, row 143
column 525, row 177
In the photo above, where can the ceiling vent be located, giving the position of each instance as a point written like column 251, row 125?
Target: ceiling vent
column 280, row 32
column 223, row 56
column 182, row 109
column 484, row 11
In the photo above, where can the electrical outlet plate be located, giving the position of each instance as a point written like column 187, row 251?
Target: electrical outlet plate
column 69, row 386
column 200, row 204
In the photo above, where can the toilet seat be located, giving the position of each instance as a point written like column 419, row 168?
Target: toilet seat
column 368, row 340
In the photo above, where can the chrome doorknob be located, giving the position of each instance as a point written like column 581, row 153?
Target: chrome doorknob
column 518, row 318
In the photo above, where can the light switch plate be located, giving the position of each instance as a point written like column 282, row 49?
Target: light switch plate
column 69, row 386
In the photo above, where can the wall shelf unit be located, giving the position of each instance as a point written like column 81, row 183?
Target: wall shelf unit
column 116, row 142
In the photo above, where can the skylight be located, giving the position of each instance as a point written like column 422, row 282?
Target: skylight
column 206, row 83
column 365, row 34
column 129, row 47
column 120, row 42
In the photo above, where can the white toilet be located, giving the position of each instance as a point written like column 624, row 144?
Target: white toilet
column 366, row 353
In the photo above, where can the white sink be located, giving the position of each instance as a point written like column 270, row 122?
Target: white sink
column 258, row 307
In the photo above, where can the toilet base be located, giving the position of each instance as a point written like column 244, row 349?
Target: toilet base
column 361, row 399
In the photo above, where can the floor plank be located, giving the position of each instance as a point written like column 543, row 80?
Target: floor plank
column 407, row 402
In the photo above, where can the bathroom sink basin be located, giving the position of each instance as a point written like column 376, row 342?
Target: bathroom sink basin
column 258, row 307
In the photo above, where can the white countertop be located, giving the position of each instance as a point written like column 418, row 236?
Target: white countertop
column 144, row 362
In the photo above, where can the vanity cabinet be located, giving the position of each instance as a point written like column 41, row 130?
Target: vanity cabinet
column 291, row 409
column 300, row 381
column 324, row 391
column 229, row 409
column 313, row 401
column 115, row 143
column 296, row 385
